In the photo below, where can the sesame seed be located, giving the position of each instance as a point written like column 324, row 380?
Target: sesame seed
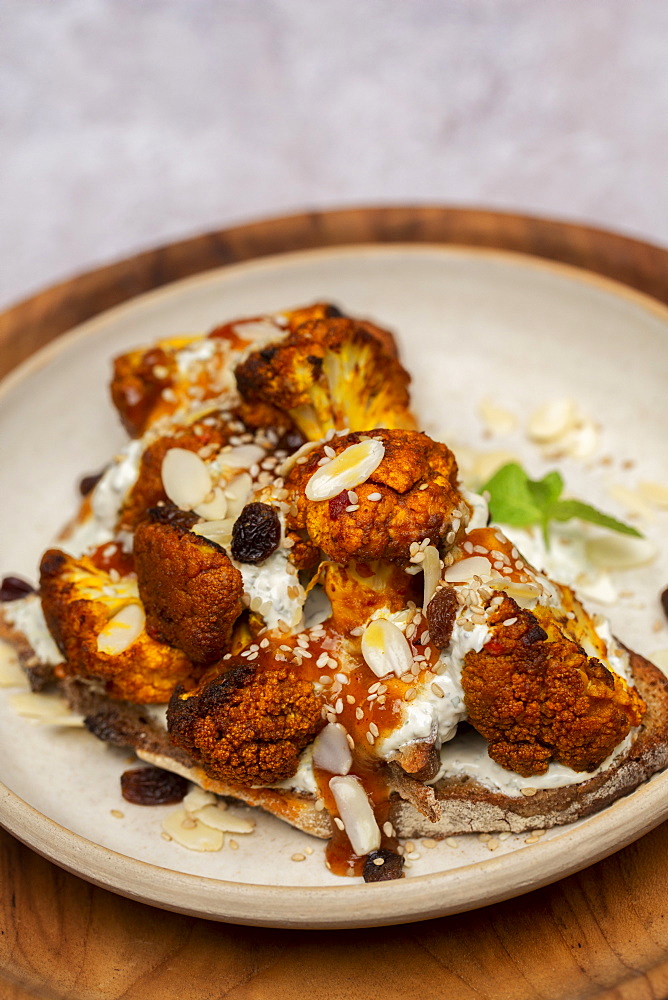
column 484, row 837
column 492, row 844
column 418, row 557
column 388, row 829
column 370, row 739
column 352, row 508
column 528, row 791
column 308, row 850
column 298, row 857
column 414, row 856
column 325, row 679
column 374, row 496
column 510, row 621
column 359, row 714
column 451, row 842
column 319, row 805
column 165, row 836
column 351, row 741
column 339, row 823
column 424, row 486
column 410, row 694
column 234, row 845
column 117, row 814
column 350, row 699
column 338, row 708
column 378, row 862
column 409, row 845
column 342, row 678
column 374, row 687
column 438, row 691
column 352, row 497
column 504, row 835
column 429, row 842
column 330, row 717
column 374, row 728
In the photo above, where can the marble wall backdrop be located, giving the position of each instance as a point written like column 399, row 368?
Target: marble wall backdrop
column 125, row 123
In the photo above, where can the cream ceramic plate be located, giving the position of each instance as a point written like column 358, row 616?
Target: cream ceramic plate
column 470, row 324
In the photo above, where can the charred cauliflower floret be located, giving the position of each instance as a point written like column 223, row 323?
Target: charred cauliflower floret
column 537, row 697
column 410, row 496
column 247, row 725
column 188, row 586
column 98, row 624
column 329, row 374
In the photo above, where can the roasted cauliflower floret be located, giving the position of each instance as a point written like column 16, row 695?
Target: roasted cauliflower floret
column 537, row 697
column 411, row 495
column 356, row 590
column 189, row 588
column 247, row 725
column 329, row 374
column 98, row 624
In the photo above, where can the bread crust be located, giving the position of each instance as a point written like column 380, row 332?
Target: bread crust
column 448, row 807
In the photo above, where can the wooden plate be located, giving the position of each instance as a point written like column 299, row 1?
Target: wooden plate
column 484, row 222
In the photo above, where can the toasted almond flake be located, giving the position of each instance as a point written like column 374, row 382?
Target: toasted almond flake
column 218, row 531
column 190, row 833
column 551, row 420
column 631, row 500
column 467, row 569
column 356, row 813
column 349, row 469
column 431, row 567
column 121, row 630
column 385, row 649
column 615, row 551
column 655, row 494
column 224, row 820
column 196, row 799
column 331, row 750
column 185, row 478
column 496, row 419
column 242, row 457
column 44, row 708
column 214, row 508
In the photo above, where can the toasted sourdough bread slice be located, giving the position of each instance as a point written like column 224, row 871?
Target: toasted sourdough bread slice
column 451, row 806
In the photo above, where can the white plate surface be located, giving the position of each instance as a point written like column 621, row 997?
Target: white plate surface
column 470, row 324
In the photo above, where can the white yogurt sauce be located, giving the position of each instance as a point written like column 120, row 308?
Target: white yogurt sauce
column 270, row 582
column 26, row 616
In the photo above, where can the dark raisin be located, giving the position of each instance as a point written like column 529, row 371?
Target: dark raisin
column 168, row 513
column 291, row 441
column 664, row 602
column 256, row 533
column 150, row 786
column 391, row 868
column 88, row 483
column 441, row 614
column 13, row 589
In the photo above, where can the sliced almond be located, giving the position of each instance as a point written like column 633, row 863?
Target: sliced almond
column 122, row 630
column 293, row 459
column 45, row 708
column 349, row 469
column 655, row 494
column 466, row 569
column 615, row 551
column 213, row 509
column 197, row 798
column 185, row 478
column 431, row 567
column 218, row 531
column 631, row 500
column 496, row 419
column 551, row 420
column 242, row 457
column 223, row 820
column 356, row 814
column 191, row 833
column 237, row 493
column 385, row 649
column 331, row 751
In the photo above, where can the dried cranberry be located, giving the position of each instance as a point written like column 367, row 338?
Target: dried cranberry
column 441, row 614
column 338, row 504
column 664, row 602
column 151, row 786
column 13, row 589
column 391, row 868
column 88, row 483
column 256, row 533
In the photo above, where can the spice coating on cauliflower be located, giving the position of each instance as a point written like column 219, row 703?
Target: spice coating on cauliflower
column 190, row 590
column 412, row 495
column 79, row 601
column 537, row 697
column 247, row 725
column 329, row 374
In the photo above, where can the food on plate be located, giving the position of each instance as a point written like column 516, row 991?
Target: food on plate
column 281, row 591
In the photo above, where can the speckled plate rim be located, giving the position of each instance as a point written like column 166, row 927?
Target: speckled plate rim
column 347, row 906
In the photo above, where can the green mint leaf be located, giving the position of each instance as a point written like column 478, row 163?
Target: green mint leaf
column 564, row 510
column 547, row 490
column 510, row 498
